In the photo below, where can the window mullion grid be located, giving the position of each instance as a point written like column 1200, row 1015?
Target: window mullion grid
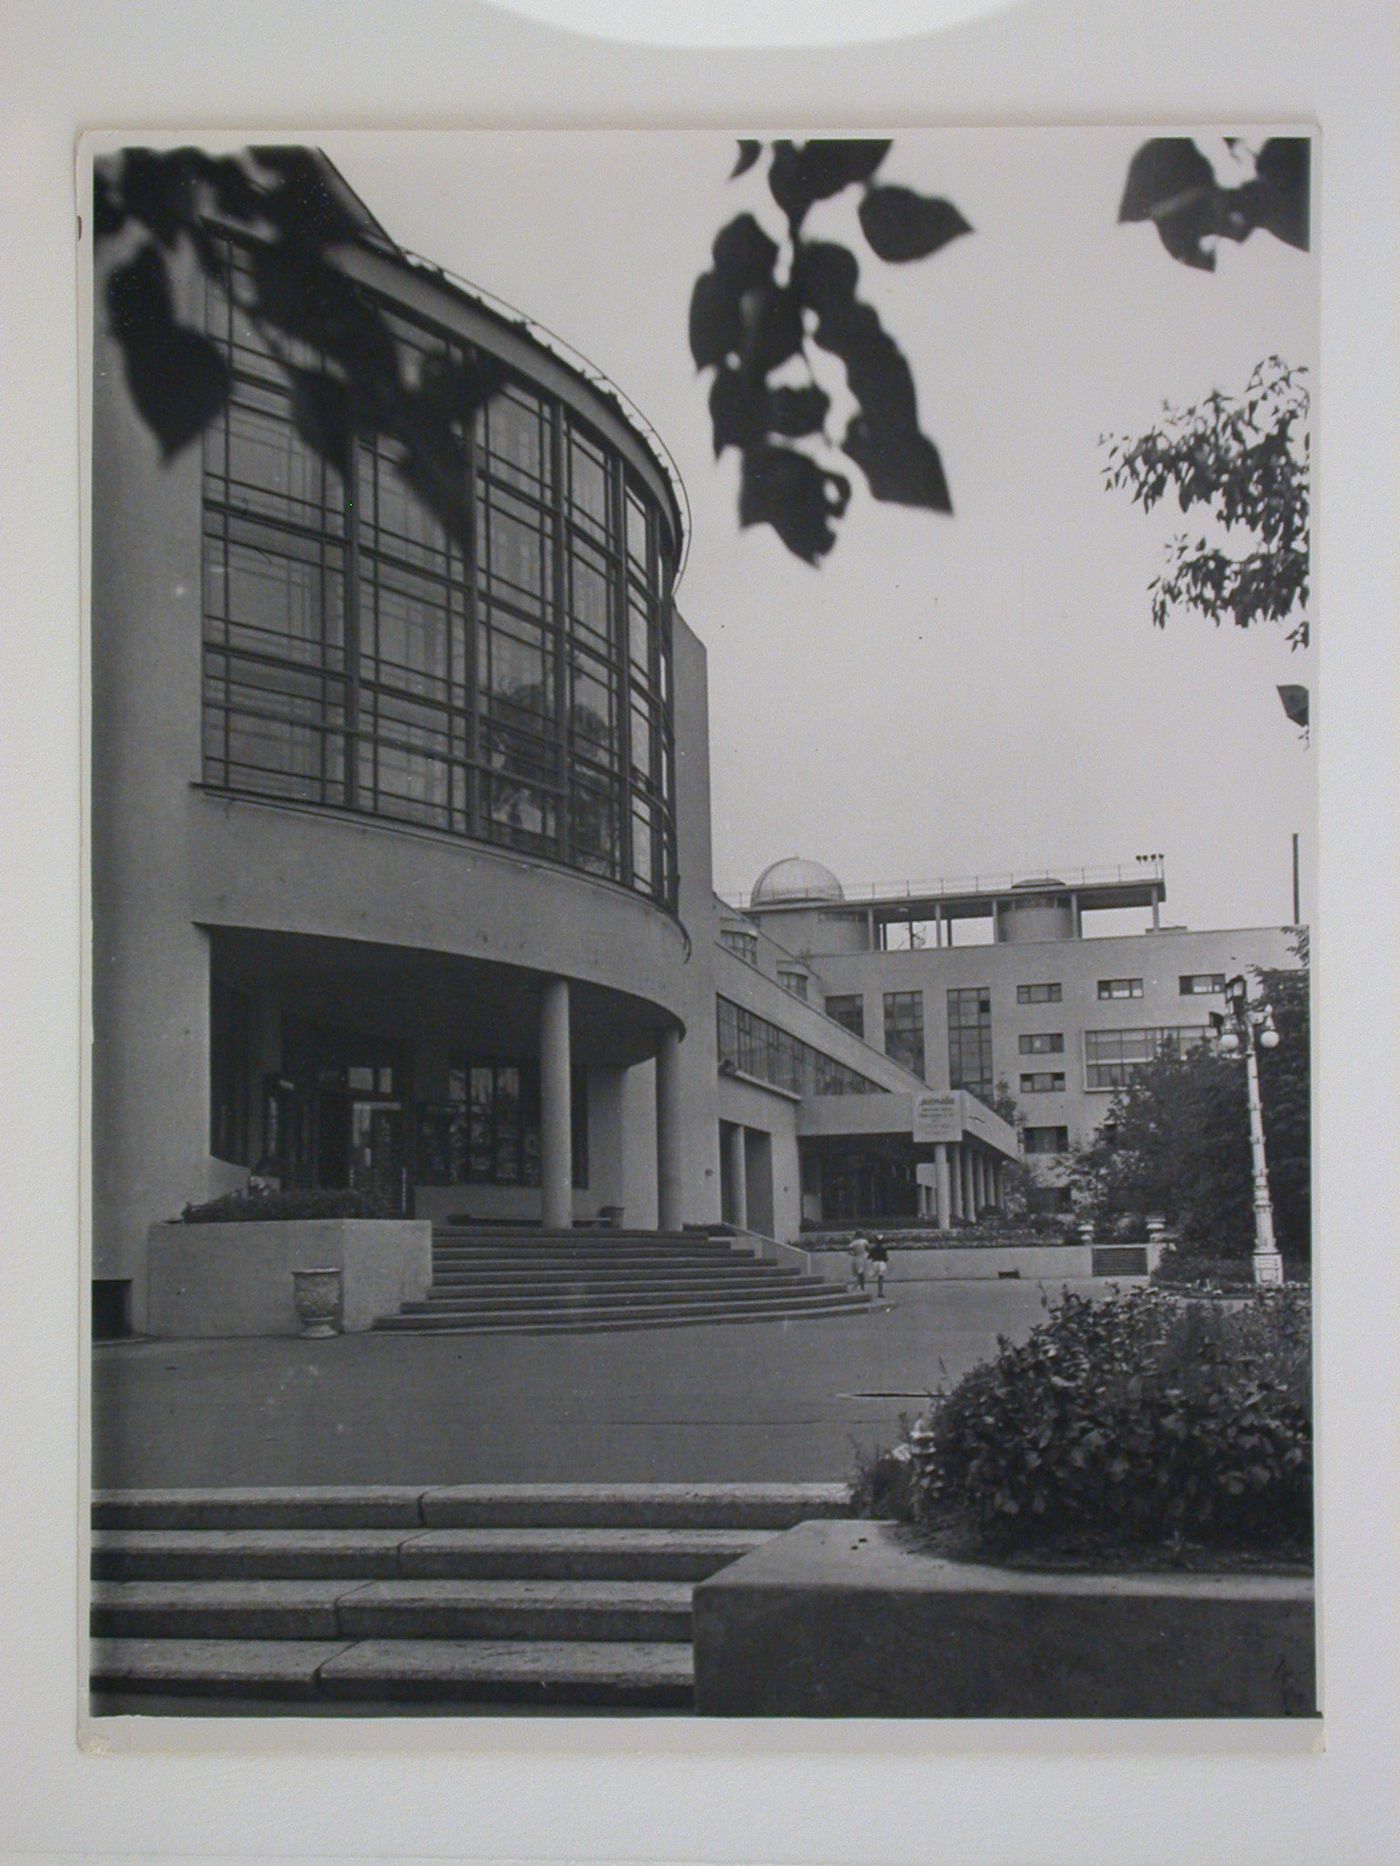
column 556, row 612
column 354, row 478
column 465, row 738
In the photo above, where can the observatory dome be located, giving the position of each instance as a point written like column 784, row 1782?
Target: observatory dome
column 795, row 879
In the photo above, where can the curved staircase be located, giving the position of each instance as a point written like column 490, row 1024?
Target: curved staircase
column 550, row 1282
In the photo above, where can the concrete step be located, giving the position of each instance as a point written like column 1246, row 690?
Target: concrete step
column 398, row 1609
column 505, row 1283
column 559, row 1261
column 569, row 1296
column 382, row 1674
column 328, row 1507
column 386, row 1554
column 559, row 1314
column 620, row 1323
column 576, row 1234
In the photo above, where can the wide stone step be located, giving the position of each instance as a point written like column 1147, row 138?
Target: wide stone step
column 561, row 1320
column 398, row 1609
column 604, row 1280
column 470, row 1506
column 511, row 1302
column 385, row 1554
column 520, row 1261
column 305, row 1675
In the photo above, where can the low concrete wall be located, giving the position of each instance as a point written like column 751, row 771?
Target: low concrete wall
column 237, row 1279
column 962, row 1263
column 847, row 1619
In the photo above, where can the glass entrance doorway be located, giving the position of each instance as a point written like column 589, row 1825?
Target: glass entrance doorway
column 337, row 1114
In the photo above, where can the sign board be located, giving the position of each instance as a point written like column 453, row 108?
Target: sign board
column 937, row 1116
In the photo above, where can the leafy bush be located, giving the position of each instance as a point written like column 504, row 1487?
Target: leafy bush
column 1139, row 1419
column 268, row 1207
column 1180, row 1267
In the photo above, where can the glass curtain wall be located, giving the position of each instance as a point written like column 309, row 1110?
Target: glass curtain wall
column 354, row 656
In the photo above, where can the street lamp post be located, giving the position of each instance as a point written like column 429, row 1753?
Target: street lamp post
column 1248, row 1028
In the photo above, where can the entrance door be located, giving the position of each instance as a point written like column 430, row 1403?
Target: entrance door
column 377, row 1164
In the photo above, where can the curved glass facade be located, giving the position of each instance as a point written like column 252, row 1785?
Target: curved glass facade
column 354, row 658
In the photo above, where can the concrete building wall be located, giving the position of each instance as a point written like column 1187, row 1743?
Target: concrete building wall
column 1159, row 959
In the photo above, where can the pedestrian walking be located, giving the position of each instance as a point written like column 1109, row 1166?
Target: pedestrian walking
column 879, row 1263
column 859, row 1250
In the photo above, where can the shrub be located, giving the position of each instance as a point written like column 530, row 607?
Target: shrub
column 1180, row 1267
column 296, row 1202
column 1139, row 1419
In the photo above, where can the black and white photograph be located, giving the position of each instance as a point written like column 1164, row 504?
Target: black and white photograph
column 703, row 852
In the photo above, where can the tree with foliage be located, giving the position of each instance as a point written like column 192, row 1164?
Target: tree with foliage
column 1176, row 1138
column 1242, row 461
column 298, row 226
column 762, row 312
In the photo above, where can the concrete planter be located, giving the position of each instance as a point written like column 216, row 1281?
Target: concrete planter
column 845, row 1619
column 317, row 1296
column 237, row 1279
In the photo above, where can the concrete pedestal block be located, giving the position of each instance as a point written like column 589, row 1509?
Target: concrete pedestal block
column 236, row 1279
column 852, row 1619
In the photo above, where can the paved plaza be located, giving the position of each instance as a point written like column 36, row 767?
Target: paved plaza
column 764, row 1402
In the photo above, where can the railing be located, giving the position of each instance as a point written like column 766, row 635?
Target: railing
column 878, row 893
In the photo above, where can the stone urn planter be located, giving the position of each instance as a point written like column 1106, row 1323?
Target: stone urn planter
column 317, row 1294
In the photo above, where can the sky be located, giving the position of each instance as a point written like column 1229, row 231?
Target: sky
column 944, row 696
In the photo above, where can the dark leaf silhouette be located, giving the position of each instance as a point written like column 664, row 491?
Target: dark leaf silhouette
column 749, row 152
column 795, row 412
column 716, row 323
column 901, row 225
column 751, row 318
column 177, row 378
column 291, row 220
column 1171, row 183
column 321, row 412
column 1295, row 703
column 901, row 466
column 744, row 255
column 803, row 173
column 783, row 488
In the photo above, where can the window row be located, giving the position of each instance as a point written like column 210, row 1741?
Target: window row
column 1112, row 1056
column 751, row 1045
column 487, row 1132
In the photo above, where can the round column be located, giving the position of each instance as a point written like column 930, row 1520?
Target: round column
column 943, row 1207
column 556, row 1115
column 737, row 1173
column 969, row 1197
column 668, row 1131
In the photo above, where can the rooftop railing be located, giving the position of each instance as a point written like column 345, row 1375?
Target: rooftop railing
column 948, row 887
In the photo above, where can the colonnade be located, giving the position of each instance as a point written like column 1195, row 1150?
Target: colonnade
column 966, row 1180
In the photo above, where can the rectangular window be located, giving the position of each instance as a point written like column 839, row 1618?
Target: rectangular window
column 1120, row 987
column 745, row 944
column 1045, row 1139
column 849, row 1012
column 1111, row 1057
column 970, row 1041
column 1043, row 1082
column 904, row 1029
column 1201, row 984
column 229, row 1054
column 1039, row 994
column 1042, row 1043
column 795, row 982
column 487, row 1133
